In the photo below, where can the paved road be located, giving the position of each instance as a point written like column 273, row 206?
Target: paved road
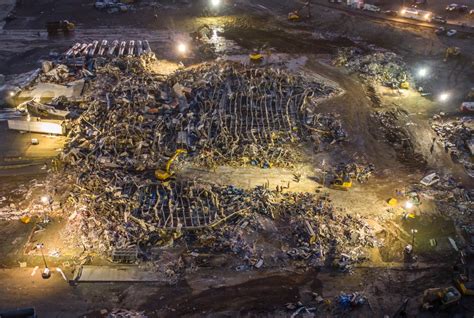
column 379, row 16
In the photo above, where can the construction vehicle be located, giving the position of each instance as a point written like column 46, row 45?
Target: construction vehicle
column 165, row 175
column 295, row 15
column 465, row 287
column 441, row 298
column 343, row 183
column 451, row 51
column 202, row 32
column 256, row 57
column 63, row 26
column 405, row 85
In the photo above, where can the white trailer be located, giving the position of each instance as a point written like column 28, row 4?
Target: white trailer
column 416, row 14
column 45, row 127
column 370, row 7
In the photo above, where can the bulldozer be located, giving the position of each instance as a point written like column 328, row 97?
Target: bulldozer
column 295, row 16
column 343, row 183
column 451, row 51
column 440, row 298
column 165, row 175
column 63, row 26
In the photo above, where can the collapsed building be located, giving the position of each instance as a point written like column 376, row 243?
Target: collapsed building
column 132, row 120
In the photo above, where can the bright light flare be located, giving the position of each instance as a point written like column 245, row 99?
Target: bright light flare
column 45, row 199
column 11, row 94
column 427, row 16
column 408, row 205
column 403, row 11
column 422, row 72
column 215, row 3
column 182, row 48
column 443, row 97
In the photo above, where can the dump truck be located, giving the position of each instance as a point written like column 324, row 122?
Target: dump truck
column 63, row 26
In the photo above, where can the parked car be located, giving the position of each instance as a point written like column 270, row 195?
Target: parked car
column 451, row 32
column 463, row 9
column 440, row 30
column 467, row 107
column 439, row 19
column 370, row 7
column 391, row 13
column 452, row 7
column 430, row 179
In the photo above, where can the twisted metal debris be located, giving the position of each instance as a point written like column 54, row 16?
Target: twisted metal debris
column 223, row 113
column 384, row 67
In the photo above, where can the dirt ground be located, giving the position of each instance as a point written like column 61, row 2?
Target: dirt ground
column 387, row 278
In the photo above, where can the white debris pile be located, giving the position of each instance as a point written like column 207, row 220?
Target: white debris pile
column 384, row 67
column 458, row 139
column 112, row 6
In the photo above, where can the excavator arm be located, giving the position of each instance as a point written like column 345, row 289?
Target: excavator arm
column 164, row 175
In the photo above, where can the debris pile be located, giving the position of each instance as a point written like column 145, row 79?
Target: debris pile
column 348, row 301
column 458, row 138
column 125, row 313
column 389, row 123
column 132, row 120
column 304, row 228
column 384, row 67
column 452, row 199
column 145, row 218
column 223, row 114
column 112, row 6
column 356, row 171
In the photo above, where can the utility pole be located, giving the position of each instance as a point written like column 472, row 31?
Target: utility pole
column 46, row 272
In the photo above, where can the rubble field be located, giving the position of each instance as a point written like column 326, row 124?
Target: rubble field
column 294, row 186
column 224, row 113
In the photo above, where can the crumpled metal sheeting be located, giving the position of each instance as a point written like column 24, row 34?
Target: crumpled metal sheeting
column 294, row 218
column 359, row 172
column 235, row 113
column 126, row 313
column 384, row 67
column 133, row 120
column 136, row 118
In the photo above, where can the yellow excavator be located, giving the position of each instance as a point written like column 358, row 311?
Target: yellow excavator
column 256, row 57
column 295, row 16
column 64, row 26
column 343, row 183
column 165, row 175
column 451, row 51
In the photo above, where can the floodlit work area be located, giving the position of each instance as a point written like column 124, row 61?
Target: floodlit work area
column 236, row 158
